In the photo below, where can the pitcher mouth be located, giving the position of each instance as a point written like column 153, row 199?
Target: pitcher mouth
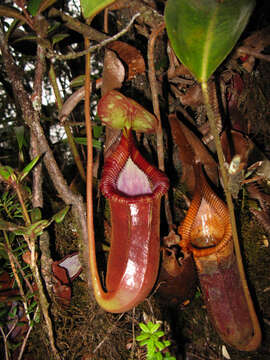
column 132, row 181
column 127, row 175
column 206, row 228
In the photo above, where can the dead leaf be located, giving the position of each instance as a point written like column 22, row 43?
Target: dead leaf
column 113, row 72
column 191, row 150
column 131, row 57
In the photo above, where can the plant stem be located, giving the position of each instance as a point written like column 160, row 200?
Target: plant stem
column 89, row 183
column 31, row 241
column 154, row 92
column 26, row 216
column 15, row 273
column 70, row 137
column 5, row 343
column 257, row 331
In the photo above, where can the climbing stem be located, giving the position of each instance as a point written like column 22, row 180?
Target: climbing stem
column 44, row 305
column 68, row 131
column 154, row 90
column 211, row 118
column 89, row 183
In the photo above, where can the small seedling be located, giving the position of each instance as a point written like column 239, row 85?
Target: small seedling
column 150, row 337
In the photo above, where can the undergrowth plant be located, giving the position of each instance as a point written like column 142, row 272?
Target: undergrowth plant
column 153, row 339
column 23, row 294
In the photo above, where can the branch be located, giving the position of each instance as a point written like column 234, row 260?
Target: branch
column 154, row 91
column 71, row 56
column 79, row 27
column 31, row 117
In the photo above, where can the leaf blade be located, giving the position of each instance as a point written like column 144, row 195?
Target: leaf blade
column 91, row 8
column 203, row 32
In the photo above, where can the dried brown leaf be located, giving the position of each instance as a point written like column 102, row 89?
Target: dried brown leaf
column 113, row 72
column 131, row 56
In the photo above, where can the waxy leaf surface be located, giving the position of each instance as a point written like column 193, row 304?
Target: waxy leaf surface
column 203, row 32
column 92, row 7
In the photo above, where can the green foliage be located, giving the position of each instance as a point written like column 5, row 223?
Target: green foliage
column 59, row 217
column 83, row 141
column 91, row 8
column 150, row 337
column 9, row 206
column 33, row 6
column 37, row 6
column 7, row 173
column 28, row 168
column 203, row 32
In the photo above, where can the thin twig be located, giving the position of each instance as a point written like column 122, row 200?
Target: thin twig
column 31, row 325
column 5, row 343
column 133, row 334
column 15, row 273
column 247, row 51
column 199, row 357
column 15, row 322
column 22, row 272
column 72, row 56
column 154, row 91
column 108, row 333
column 43, row 300
column 70, row 138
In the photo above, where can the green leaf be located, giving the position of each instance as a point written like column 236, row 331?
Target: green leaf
column 59, row 37
column 203, row 32
column 19, row 132
column 144, row 342
column 160, row 345
column 153, row 327
column 59, row 217
column 3, row 255
column 27, row 37
column 12, row 312
column 38, row 6
column 31, row 307
column 151, row 347
column 7, row 173
column 28, row 168
column 97, row 131
column 77, row 81
column 91, row 8
column 80, row 140
column 36, row 215
column 83, row 141
column 142, row 337
column 33, row 6
column 166, row 343
column 37, row 318
column 45, row 4
column 36, row 228
column 158, row 334
column 144, row 328
column 11, row 12
column 168, row 356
